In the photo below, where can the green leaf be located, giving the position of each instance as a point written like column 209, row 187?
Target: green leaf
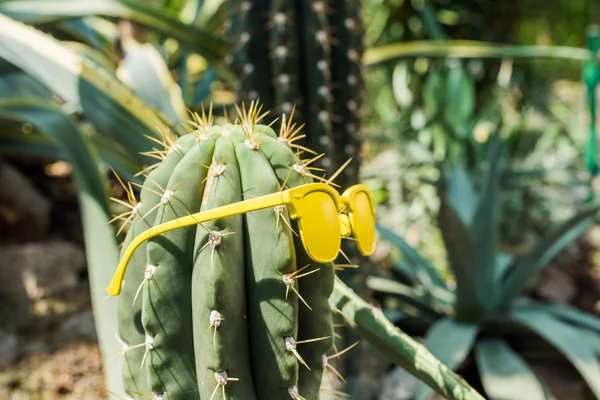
column 432, row 93
column 102, row 251
column 573, row 343
column 546, row 250
column 462, row 258
column 484, row 228
column 17, row 144
column 415, row 297
column 190, row 37
column 504, row 374
column 117, row 157
column 427, row 13
column 461, row 193
column 451, row 343
column 98, row 33
column 81, row 84
column 49, row 119
column 563, row 312
column 501, row 264
column 460, row 100
column 144, row 70
column 423, row 270
column 16, row 83
column 469, row 49
column 371, row 325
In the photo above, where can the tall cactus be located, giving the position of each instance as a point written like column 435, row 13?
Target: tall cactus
column 233, row 308
column 306, row 53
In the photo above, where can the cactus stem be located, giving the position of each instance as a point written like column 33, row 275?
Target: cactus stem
column 149, row 344
column 221, row 379
column 293, row 391
column 289, row 281
column 148, row 272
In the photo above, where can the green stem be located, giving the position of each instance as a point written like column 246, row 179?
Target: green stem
column 469, row 49
column 370, row 323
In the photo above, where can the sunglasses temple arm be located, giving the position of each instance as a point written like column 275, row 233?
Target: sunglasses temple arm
column 259, row 203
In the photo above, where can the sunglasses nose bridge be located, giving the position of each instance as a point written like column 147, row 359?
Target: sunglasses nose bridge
column 345, row 225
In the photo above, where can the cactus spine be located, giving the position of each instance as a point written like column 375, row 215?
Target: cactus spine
column 306, row 53
column 233, row 308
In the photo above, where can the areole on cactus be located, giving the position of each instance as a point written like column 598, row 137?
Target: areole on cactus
column 230, row 266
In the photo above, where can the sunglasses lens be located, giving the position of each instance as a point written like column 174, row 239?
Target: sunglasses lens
column 363, row 223
column 320, row 227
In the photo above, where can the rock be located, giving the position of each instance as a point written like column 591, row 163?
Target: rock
column 34, row 271
column 81, row 325
column 556, row 285
column 8, row 348
column 398, row 385
column 24, row 211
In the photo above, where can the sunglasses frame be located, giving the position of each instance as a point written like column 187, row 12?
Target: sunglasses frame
column 292, row 198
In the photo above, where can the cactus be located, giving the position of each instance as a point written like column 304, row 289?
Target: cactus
column 233, row 308
column 307, row 53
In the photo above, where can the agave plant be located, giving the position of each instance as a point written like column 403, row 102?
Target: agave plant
column 464, row 318
column 79, row 110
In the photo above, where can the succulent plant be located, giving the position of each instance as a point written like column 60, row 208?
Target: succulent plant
column 309, row 54
column 218, row 307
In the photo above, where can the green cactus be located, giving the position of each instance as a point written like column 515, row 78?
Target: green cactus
column 221, row 310
column 307, row 53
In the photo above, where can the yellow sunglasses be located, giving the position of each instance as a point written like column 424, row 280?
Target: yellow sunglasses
column 324, row 217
